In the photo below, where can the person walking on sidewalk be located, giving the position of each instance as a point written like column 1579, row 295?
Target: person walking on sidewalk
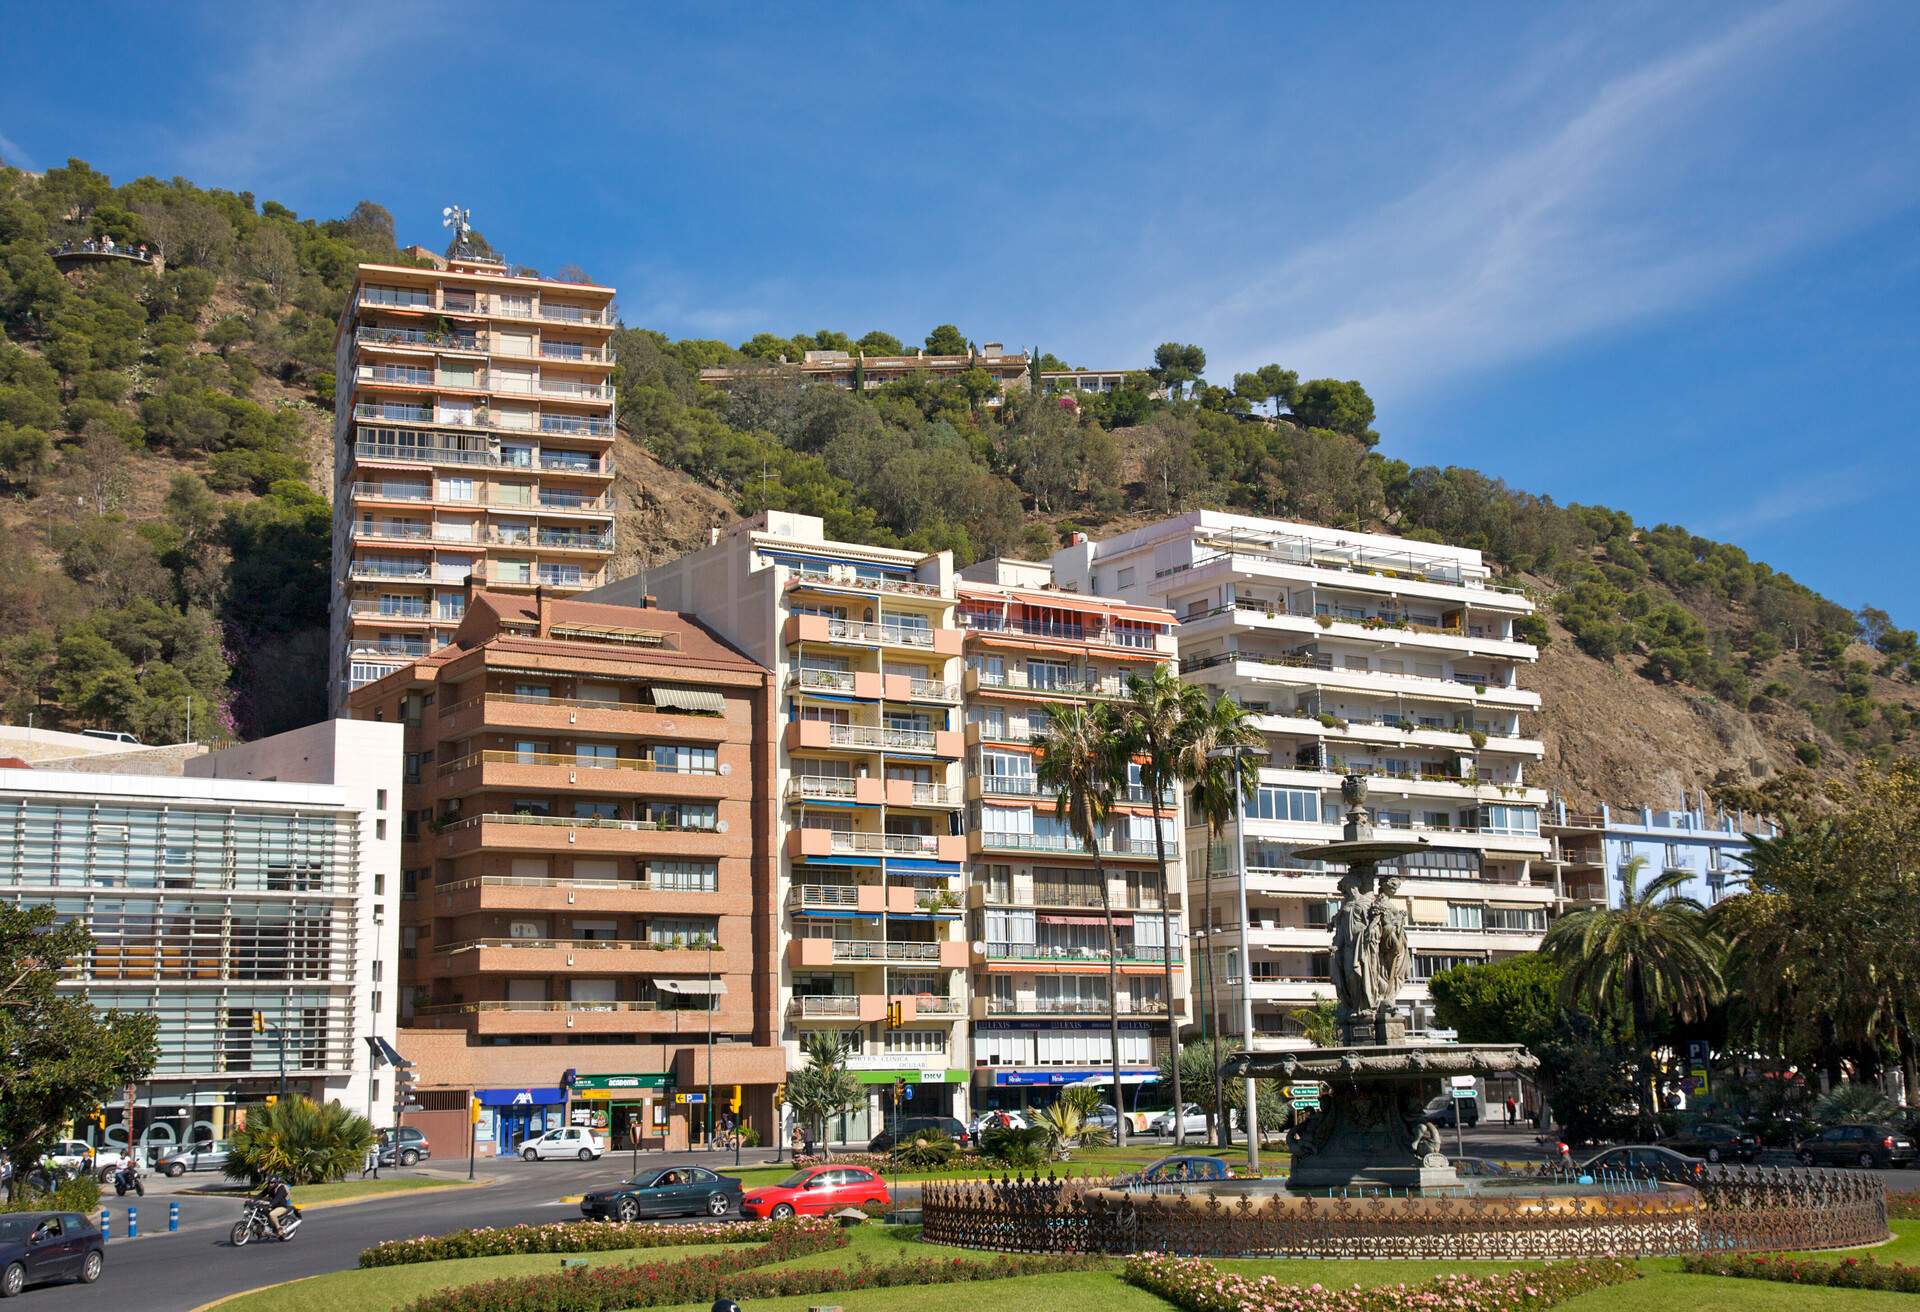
column 1513, row 1111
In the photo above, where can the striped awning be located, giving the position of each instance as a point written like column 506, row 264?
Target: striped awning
column 689, row 699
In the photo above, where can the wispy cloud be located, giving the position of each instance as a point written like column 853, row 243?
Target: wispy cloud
column 11, row 152
column 1625, row 206
column 1804, row 494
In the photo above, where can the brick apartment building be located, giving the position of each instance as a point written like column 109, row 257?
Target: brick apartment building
column 587, row 895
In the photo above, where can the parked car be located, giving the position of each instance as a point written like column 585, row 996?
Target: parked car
column 1193, row 1120
column 1478, row 1168
column 816, row 1191
column 412, row 1147
column 1180, row 1169
column 1448, row 1111
column 569, row 1141
column 73, row 1156
column 911, row 1125
column 1646, row 1162
column 112, row 736
column 203, row 1155
column 1716, row 1141
column 999, row 1118
column 1104, row 1117
column 669, row 1191
column 1865, row 1146
column 39, row 1246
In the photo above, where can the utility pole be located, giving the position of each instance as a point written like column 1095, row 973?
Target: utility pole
column 709, row 1102
column 1246, row 961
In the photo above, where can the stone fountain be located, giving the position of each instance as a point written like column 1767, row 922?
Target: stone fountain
column 1371, row 1131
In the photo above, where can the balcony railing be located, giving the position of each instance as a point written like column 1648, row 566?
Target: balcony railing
column 830, row 1006
column 823, row 786
column 471, row 1008
column 895, row 844
column 1098, row 633
column 547, row 537
column 396, row 297
column 418, row 337
column 936, row 795
column 575, row 945
column 833, row 680
column 639, row 764
column 423, row 453
column 391, row 531
column 552, row 881
column 572, row 822
column 1024, row 842
column 1078, row 686
column 576, row 426
column 391, row 610
column 363, row 569
column 901, row 635
column 1128, row 952
column 568, row 703
column 389, row 647
column 858, row 949
column 933, row 690
column 827, row 895
column 876, row 736
column 848, row 578
column 550, row 313
column 1072, row 1007
column 574, row 351
column 394, row 491
column 572, row 464
column 572, row 501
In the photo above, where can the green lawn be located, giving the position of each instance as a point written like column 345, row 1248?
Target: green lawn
column 1662, row 1288
column 381, row 1289
column 1087, row 1161
column 342, row 1190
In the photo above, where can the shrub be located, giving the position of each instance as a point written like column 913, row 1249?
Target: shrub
column 1847, row 1273
column 701, row 1279
column 1202, row 1287
column 928, row 1150
column 1015, row 1147
column 301, row 1141
column 580, row 1237
column 80, row 1194
column 1903, row 1206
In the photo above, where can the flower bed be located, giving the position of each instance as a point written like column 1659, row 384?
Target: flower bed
column 1903, row 1206
column 582, row 1237
column 1848, row 1273
column 1200, row 1286
column 702, row 1279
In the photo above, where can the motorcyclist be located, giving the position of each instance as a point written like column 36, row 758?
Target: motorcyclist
column 279, row 1200
column 127, row 1176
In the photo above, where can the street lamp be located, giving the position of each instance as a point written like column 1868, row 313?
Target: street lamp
column 1246, row 961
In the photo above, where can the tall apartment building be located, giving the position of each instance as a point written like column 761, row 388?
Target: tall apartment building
column 1591, row 849
column 473, row 434
column 1354, row 653
column 1040, row 990
column 263, row 883
column 586, row 871
column 865, row 653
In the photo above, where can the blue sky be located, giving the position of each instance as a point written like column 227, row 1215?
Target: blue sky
column 1661, row 257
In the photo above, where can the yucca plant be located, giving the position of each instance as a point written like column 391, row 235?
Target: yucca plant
column 1068, row 1122
column 301, row 1141
column 1854, row 1104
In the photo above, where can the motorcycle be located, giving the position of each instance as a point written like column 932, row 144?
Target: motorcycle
column 255, row 1223
column 128, row 1177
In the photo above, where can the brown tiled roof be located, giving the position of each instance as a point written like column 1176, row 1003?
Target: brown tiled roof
column 690, row 638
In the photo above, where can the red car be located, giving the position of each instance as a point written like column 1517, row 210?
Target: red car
column 816, row 1191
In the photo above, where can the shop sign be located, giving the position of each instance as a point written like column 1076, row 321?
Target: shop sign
column 622, row 1083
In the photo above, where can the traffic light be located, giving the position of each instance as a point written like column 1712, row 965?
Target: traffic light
column 896, row 1014
column 272, row 1098
column 733, row 1100
column 899, row 1091
column 100, row 1117
column 259, row 1022
column 779, row 1095
column 473, row 1112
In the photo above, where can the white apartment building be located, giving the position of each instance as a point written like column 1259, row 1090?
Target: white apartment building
column 1354, row 653
column 866, row 652
column 264, row 883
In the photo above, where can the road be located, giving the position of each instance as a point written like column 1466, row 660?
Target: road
column 162, row 1272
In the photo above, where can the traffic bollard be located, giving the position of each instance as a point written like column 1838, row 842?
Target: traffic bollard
column 173, row 1216
column 106, row 1224
column 133, row 1222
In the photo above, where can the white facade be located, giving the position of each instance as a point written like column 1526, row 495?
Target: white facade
column 216, row 898
column 871, row 858
column 1354, row 653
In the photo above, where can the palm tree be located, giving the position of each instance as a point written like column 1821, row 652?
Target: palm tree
column 1082, row 762
column 823, row 1088
column 1219, row 781
column 1160, row 712
column 1654, row 953
column 1069, row 1121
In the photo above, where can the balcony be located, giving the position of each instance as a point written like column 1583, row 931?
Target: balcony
column 950, row 954
column 833, row 788
column 907, row 792
column 418, row 339
column 377, row 573
column 391, row 492
column 1046, row 685
column 575, row 353
column 390, row 531
column 391, row 609
column 805, row 842
column 567, row 314
column 1075, row 955
column 542, row 770
column 1123, row 848
column 578, row 835
column 1097, row 633
column 389, row 648
column 421, row 453
column 508, row 711
column 572, row 426
column 598, row 956
column 838, row 578
column 571, row 1017
column 507, row 893
column 839, row 1006
column 819, row 735
column 552, row 538
column 396, row 298
column 913, row 637
column 393, row 412
column 1039, row 1006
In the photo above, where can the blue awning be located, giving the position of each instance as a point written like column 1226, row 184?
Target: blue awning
column 840, row 915
column 795, row 557
column 833, row 801
column 914, row 865
column 923, row 915
column 520, row 1097
column 866, row 862
column 811, row 695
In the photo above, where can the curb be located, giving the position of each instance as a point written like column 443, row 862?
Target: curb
column 387, row 1194
column 260, row 1289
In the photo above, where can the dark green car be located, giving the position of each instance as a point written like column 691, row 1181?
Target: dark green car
column 667, row 1191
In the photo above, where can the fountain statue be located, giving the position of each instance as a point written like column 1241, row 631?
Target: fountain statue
column 1372, row 1130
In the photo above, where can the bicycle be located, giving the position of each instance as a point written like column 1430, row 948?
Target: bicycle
column 724, row 1141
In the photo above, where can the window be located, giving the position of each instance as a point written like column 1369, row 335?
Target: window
column 917, row 1041
column 1510, row 820
column 1123, row 578
column 596, row 755
column 683, row 815
column 684, row 876
column 380, row 830
column 1464, row 915
column 680, row 930
column 1294, row 804
column 596, row 810
column 379, row 799
column 1530, row 920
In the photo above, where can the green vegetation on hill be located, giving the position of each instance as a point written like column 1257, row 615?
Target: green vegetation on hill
column 120, row 600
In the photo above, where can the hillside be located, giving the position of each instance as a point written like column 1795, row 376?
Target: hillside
column 164, row 444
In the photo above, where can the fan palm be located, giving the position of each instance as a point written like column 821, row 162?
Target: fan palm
column 823, row 1088
column 1068, row 1121
column 301, row 1141
column 1653, row 954
column 1220, row 782
column 1160, row 712
column 1082, row 763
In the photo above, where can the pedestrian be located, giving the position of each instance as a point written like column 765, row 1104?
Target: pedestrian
column 798, row 1140
column 1513, row 1110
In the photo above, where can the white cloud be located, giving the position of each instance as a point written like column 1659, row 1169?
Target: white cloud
column 1634, row 201
column 1809, row 492
column 13, row 154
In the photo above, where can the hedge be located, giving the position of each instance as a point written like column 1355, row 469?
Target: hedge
column 1848, row 1273
column 702, row 1279
column 580, row 1237
column 80, row 1194
column 1199, row 1286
